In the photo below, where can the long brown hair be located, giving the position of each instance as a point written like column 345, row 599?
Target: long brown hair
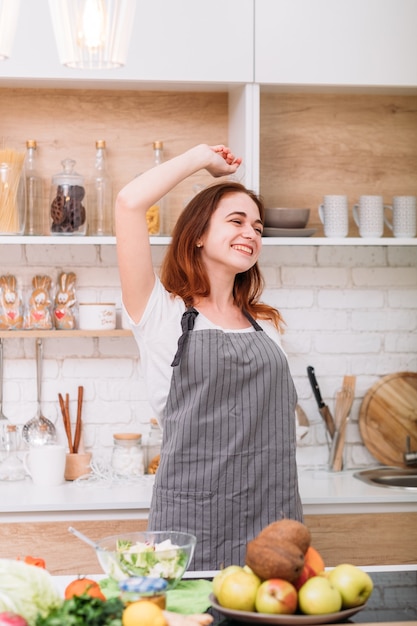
column 183, row 272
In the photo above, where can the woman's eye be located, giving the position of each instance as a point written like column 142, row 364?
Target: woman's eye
column 259, row 230
column 236, row 221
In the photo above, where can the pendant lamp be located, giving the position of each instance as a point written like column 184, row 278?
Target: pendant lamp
column 9, row 10
column 92, row 34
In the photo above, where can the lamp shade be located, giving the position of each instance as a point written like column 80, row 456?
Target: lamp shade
column 92, row 34
column 9, row 10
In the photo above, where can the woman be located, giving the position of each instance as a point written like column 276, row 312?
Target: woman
column 210, row 354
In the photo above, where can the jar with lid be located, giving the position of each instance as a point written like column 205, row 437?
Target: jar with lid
column 34, row 191
column 11, row 468
column 144, row 588
column 68, row 202
column 152, row 447
column 127, row 455
column 12, row 191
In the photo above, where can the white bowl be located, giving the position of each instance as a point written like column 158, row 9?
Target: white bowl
column 286, row 218
column 97, row 316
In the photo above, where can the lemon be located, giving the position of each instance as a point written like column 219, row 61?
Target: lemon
column 143, row 613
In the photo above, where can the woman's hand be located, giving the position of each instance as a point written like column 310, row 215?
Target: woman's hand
column 223, row 161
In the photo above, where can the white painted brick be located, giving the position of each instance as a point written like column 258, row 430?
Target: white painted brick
column 383, row 320
column 287, row 255
column 348, row 343
column 314, row 276
column 406, row 342
column 403, row 299
column 11, row 257
column 315, row 320
column 296, row 343
column 62, row 256
column 350, row 299
column 351, row 256
column 271, row 277
column 289, row 298
column 384, row 277
column 402, row 255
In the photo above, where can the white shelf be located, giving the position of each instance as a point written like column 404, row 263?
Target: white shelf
column 52, row 240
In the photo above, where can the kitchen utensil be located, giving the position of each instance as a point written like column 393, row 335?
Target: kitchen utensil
column 78, row 424
column 388, row 415
column 344, row 400
column 288, row 232
column 39, row 430
column 67, row 423
column 323, row 408
column 286, row 218
column 84, row 538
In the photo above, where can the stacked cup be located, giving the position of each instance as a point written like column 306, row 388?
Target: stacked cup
column 334, row 215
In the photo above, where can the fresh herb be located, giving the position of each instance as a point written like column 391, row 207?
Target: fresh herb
column 85, row 611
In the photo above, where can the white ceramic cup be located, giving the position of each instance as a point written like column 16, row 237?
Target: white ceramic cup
column 369, row 216
column 334, row 216
column 97, row 316
column 404, row 221
column 46, row 464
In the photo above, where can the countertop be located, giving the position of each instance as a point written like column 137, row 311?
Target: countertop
column 322, row 492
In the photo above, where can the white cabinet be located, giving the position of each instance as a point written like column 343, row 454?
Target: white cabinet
column 185, row 41
column 368, row 43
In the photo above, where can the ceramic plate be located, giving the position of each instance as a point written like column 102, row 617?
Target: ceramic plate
column 287, row 620
column 289, row 232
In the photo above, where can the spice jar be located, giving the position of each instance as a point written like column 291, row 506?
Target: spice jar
column 144, row 588
column 127, row 455
column 11, row 468
column 68, row 202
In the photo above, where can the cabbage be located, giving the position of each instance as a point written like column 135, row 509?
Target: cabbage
column 27, row 590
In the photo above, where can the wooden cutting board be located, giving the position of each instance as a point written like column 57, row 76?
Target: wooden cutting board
column 388, row 414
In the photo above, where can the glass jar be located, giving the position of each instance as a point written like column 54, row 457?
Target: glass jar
column 152, row 448
column 12, row 191
column 68, row 202
column 144, row 588
column 127, row 455
column 11, row 468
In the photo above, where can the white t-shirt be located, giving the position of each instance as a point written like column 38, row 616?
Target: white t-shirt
column 157, row 336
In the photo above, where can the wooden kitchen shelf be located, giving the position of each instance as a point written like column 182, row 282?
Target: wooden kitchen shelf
column 163, row 241
column 58, row 334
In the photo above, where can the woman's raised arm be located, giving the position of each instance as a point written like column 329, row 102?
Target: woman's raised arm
column 133, row 248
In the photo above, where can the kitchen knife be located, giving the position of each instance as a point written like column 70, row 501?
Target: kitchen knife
column 323, row 408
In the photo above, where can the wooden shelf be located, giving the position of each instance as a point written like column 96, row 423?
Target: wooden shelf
column 163, row 241
column 63, row 334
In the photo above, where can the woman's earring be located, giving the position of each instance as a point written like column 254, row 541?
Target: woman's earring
column 199, row 244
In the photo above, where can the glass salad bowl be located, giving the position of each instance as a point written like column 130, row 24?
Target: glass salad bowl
column 156, row 554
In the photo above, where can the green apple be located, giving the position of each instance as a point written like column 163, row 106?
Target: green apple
column 355, row 585
column 238, row 591
column 276, row 596
column 221, row 575
column 318, row 597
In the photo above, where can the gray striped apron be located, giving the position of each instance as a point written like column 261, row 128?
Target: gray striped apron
column 228, row 463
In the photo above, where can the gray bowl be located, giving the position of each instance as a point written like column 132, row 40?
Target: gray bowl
column 286, row 218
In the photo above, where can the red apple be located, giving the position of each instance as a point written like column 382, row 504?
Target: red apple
column 276, row 596
column 313, row 566
column 8, row 618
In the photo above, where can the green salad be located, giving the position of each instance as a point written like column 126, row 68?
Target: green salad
column 156, row 560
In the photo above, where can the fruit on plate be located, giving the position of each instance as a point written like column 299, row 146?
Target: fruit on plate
column 313, row 565
column 278, row 550
column 277, row 597
column 238, row 591
column 354, row 585
column 8, row 618
column 318, row 597
column 287, row 530
column 221, row 575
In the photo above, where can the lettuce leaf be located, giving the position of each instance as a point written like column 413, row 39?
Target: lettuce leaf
column 27, row 590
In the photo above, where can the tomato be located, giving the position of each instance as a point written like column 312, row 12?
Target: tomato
column 33, row 560
column 83, row 586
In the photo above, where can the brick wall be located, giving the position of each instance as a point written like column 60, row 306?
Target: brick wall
column 349, row 310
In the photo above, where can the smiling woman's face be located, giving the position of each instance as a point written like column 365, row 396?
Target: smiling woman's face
column 234, row 236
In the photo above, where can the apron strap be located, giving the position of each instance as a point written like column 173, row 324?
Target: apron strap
column 252, row 320
column 187, row 324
